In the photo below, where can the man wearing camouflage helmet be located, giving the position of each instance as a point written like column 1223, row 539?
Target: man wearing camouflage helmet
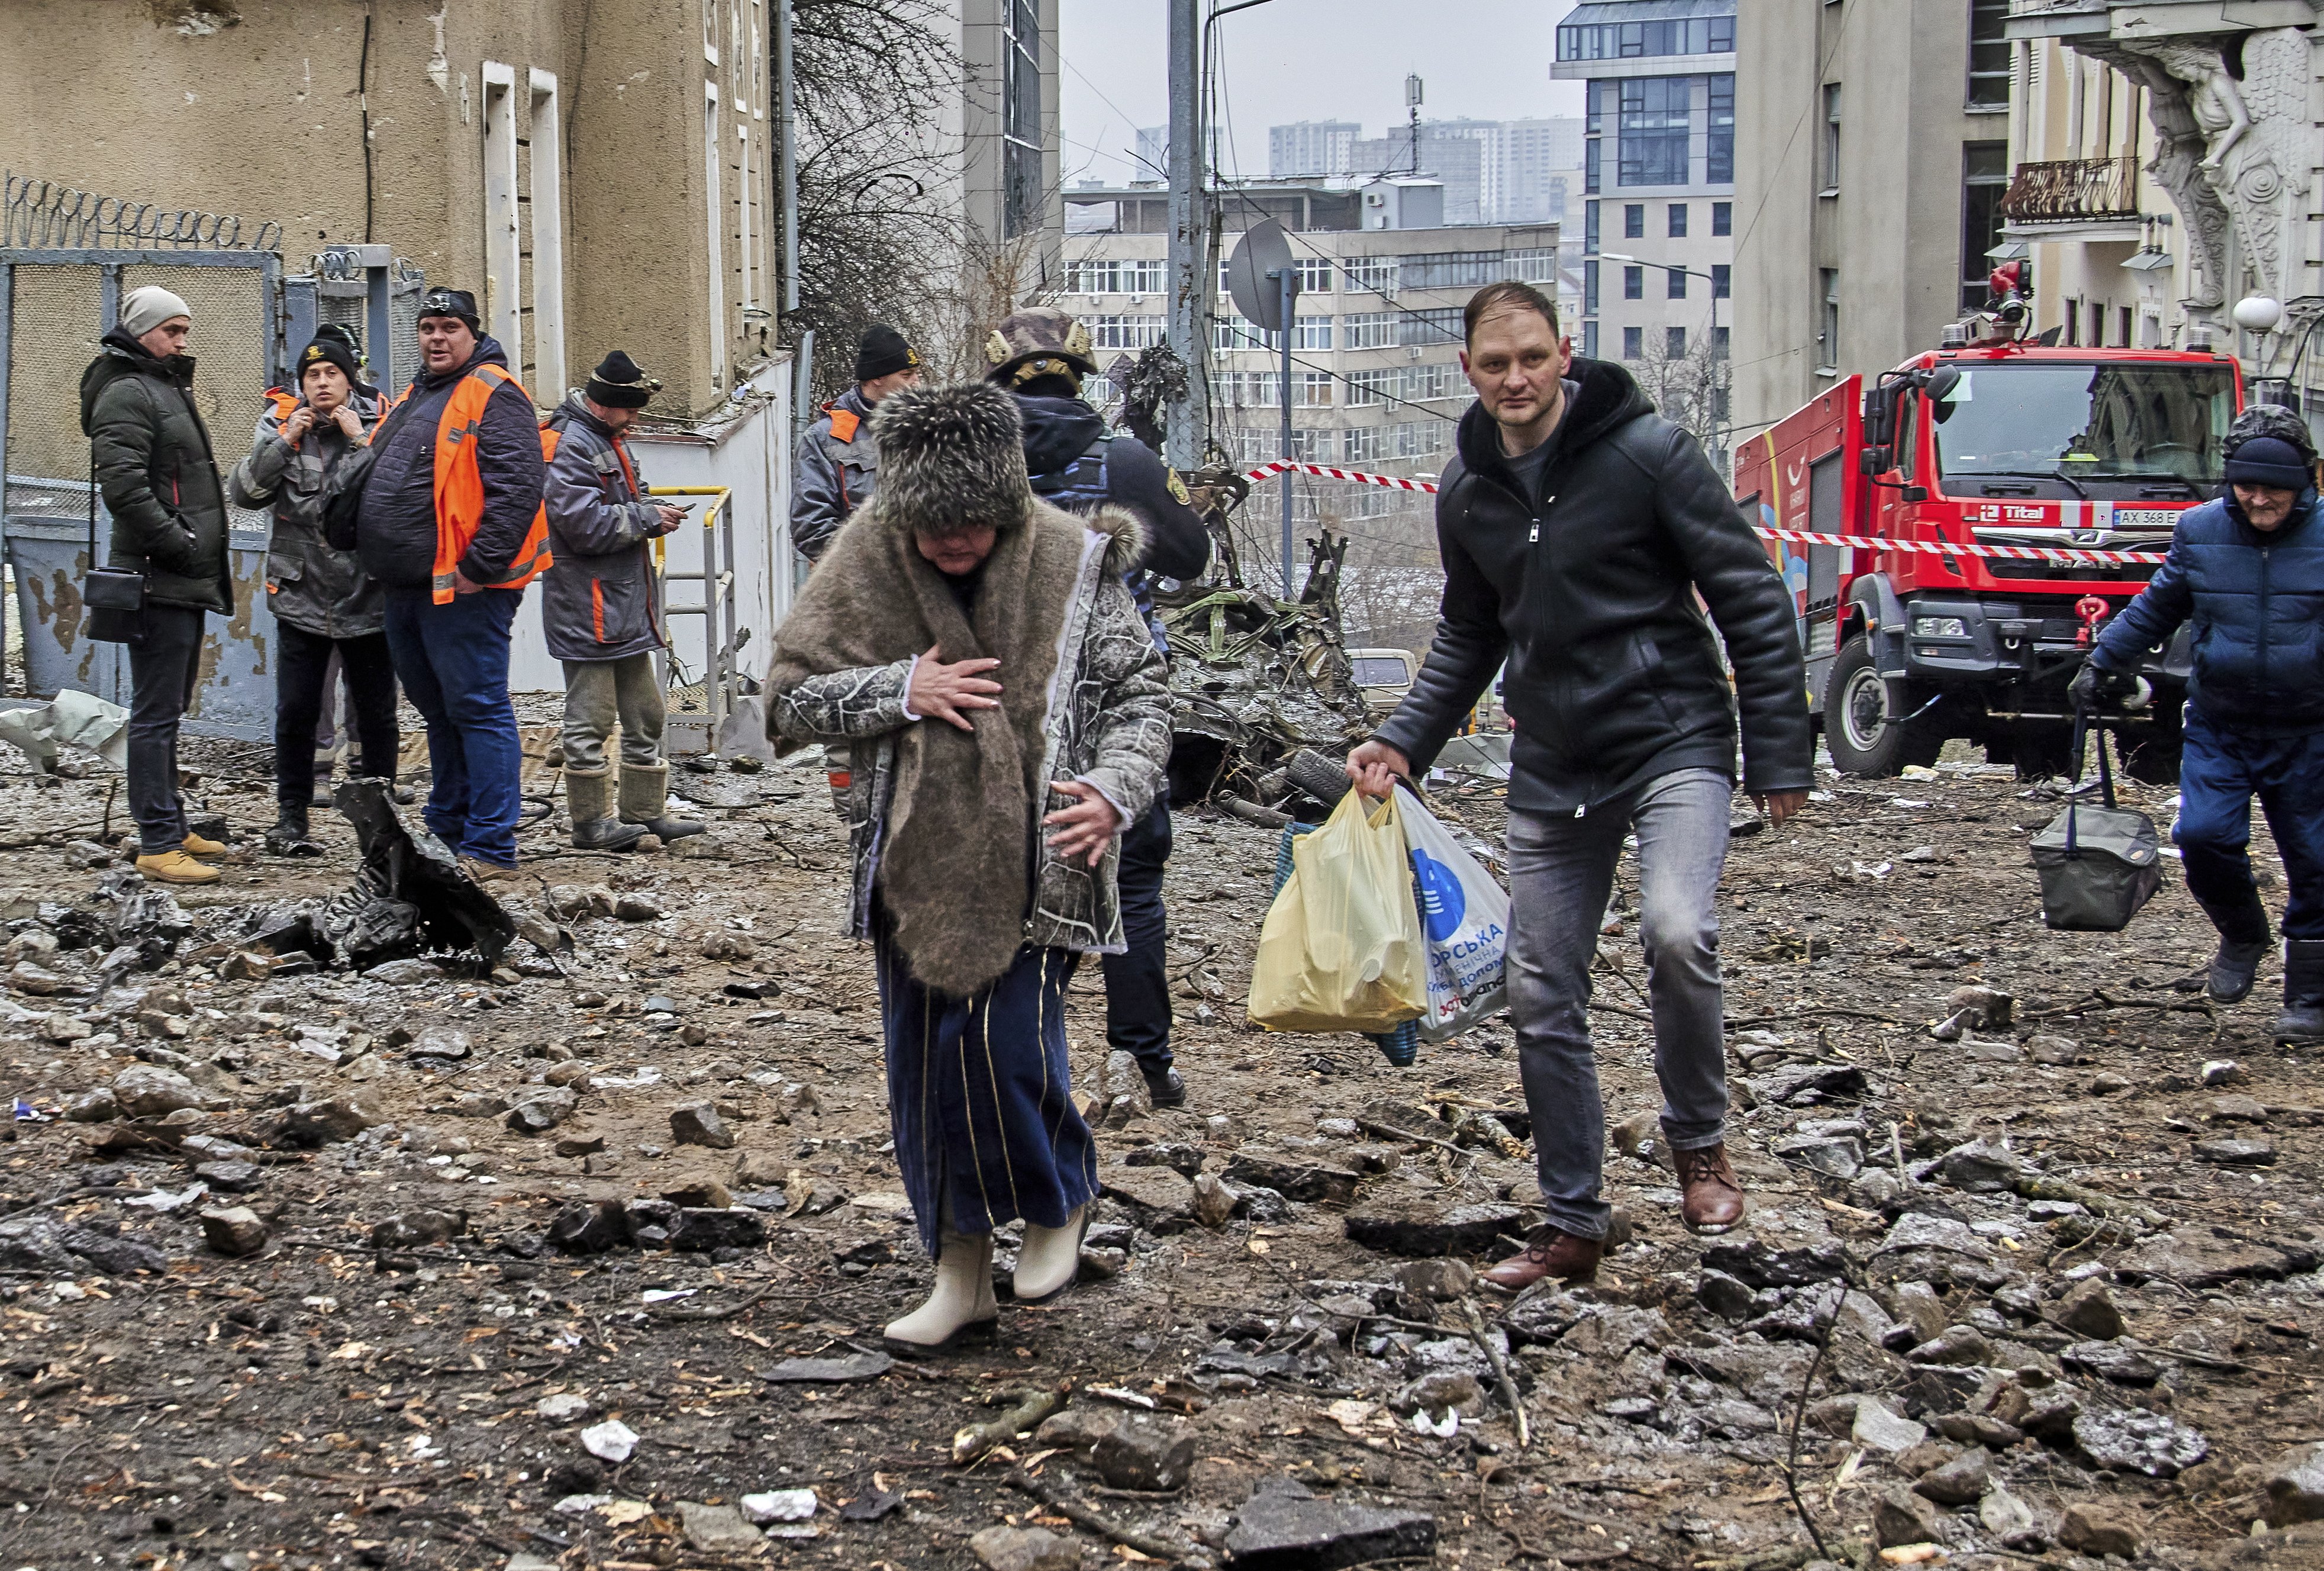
column 2247, row 570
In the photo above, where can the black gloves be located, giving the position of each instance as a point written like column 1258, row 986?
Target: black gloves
column 2093, row 688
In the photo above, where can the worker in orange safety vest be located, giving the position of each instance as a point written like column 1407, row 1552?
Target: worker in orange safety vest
column 449, row 521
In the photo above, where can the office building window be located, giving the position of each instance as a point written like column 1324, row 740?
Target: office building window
column 1634, row 283
column 1368, row 330
column 1312, row 333
column 1359, row 445
column 1314, row 274
column 1590, row 228
column 1589, row 289
column 1678, row 220
column 1989, row 54
column 1831, row 135
column 1132, row 275
column 1719, row 144
column 1634, row 220
column 1020, row 111
column 1655, row 115
column 1674, row 343
column 1647, row 39
column 1722, row 217
column 1373, row 274
column 1589, row 340
column 1674, row 283
column 1434, row 327
column 1314, row 390
column 1984, row 180
column 1828, row 330
column 1722, row 280
column 1634, row 343
column 1590, row 182
column 1719, row 343
column 1126, row 332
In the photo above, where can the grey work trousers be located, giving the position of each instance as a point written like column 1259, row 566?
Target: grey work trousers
column 1560, row 873
column 600, row 692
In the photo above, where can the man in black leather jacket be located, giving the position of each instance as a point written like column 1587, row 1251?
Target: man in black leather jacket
column 1581, row 536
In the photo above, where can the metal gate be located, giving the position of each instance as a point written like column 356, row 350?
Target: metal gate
column 67, row 258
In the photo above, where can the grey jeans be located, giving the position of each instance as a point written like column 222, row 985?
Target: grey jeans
column 599, row 692
column 1560, row 873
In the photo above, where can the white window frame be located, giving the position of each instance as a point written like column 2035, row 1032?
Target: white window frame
column 546, row 140
column 503, row 268
column 743, row 223
column 713, row 150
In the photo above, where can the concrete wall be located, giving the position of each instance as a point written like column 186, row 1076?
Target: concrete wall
column 1892, row 228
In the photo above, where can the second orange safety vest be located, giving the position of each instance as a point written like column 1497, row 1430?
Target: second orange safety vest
column 460, row 486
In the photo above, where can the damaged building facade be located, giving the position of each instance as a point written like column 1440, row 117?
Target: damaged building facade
column 601, row 175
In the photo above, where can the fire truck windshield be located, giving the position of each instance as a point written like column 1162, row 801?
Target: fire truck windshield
column 2118, row 428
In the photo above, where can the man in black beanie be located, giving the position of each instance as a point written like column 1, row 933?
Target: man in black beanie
column 837, row 465
column 601, row 609
column 2247, row 570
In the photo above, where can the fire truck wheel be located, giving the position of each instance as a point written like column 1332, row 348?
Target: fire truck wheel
column 1869, row 722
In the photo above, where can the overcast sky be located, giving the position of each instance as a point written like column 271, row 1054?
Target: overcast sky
column 1303, row 59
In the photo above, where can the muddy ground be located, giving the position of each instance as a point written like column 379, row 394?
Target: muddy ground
column 355, row 1395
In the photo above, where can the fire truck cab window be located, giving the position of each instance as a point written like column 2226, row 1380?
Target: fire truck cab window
column 2070, row 431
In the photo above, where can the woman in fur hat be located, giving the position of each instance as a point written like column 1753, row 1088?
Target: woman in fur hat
column 1003, row 703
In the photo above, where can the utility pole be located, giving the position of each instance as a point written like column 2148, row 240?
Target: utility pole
column 1286, row 279
column 1190, row 288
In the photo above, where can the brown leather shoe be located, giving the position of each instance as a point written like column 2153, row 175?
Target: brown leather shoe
column 1549, row 1252
column 1709, row 1197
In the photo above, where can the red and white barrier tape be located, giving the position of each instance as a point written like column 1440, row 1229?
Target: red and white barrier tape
column 2072, row 558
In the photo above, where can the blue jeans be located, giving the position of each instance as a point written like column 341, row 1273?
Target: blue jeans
column 1560, row 873
column 2219, row 772
column 454, row 663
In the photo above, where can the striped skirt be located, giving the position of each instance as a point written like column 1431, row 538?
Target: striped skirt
column 978, row 1097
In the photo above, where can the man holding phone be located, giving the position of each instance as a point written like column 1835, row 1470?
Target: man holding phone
column 601, row 608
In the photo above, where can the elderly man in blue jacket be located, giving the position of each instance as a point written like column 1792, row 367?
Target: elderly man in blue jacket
column 601, row 611
column 2247, row 570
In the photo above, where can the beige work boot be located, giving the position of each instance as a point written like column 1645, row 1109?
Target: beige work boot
column 1049, row 1259
column 177, row 867
column 201, row 848
column 483, row 873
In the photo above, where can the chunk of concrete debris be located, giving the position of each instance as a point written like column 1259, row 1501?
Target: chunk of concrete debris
column 611, row 1441
column 699, row 1123
column 439, row 1042
column 1146, row 1452
column 539, row 1109
column 2223, row 1072
column 562, row 1407
column 323, row 1121
column 2295, row 1487
column 2131, row 1441
column 1901, row 1517
column 1955, row 1346
column 2237, row 1151
column 1213, row 1201
column 1878, row 1430
column 637, row 907
column 234, row 1230
column 2012, row 1521
column 413, row 972
column 713, row 1529
column 1435, row 1278
column 1024, row 1549
column 1160, row 1195
column 1279, row 1531
column 148, row 1091
column 98, row 1106
column 584, row 1229
column 2088, row 1307
column 61, row 1029
column 1962, row 1480
column 2099, row 1530
column 1419, row 1229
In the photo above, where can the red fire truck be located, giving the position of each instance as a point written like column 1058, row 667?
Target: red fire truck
column 1987, row 442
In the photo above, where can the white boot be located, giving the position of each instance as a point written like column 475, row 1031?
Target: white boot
column 1050, row 1259
column 961, row 1306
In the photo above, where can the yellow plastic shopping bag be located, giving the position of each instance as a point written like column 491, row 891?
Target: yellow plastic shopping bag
column 1342, row 948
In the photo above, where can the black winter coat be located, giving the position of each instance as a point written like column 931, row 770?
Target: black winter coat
column 152, row 454
column 1614, row 675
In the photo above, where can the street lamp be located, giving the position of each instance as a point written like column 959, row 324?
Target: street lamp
column 1688, row 271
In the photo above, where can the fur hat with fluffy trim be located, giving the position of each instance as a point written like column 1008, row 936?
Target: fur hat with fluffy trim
column 951, row 459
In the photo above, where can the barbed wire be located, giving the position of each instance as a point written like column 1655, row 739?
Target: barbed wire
column 51, row 215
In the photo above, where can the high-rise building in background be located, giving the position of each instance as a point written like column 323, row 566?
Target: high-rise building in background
column 1310, row 147
column 1525, row 167
column 1153, row 153
column 1658, row 205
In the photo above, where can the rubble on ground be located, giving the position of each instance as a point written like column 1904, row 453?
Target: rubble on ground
column 592, row 1251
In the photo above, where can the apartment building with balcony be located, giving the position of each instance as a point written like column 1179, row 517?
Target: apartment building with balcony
column 1873, row 155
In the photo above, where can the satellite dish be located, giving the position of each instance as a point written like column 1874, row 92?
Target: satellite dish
column 1262, row 250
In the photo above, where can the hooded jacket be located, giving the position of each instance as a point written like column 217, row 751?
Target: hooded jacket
column 833, row 474
column 1060, row 431
column 1614, row 674
column 151, row 453
column 309, row 584
column 599, row 599
column 2257, row 604
column 395, row 530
